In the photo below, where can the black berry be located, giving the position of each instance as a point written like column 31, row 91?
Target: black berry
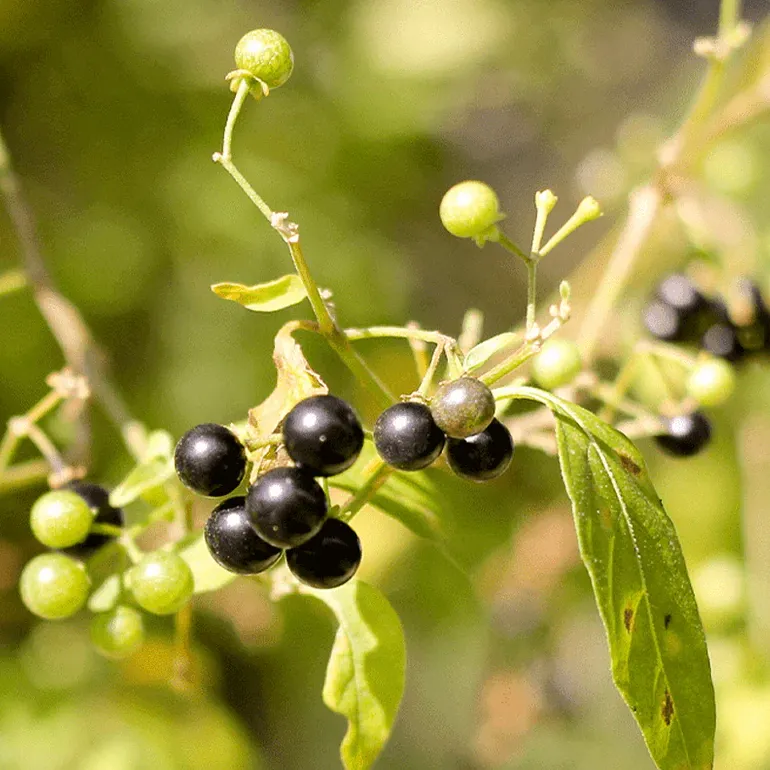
column 481, row 457
column 685, row 434
column 233, row 541
column 679, row 292
column 98, row 499
column 323, row 435
column 463, row 407
column 286, row 506
column 329, row 559
column 406, row 436
column 210, row 460
column 721, row 339
column 662, row 321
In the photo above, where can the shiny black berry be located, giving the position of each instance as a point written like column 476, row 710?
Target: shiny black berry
column 406, row 436
column 286, row 506
column 463, row 407
column 329, row 559
column 685, row 434
column 679, row 292
column 481, row 457
column 663, row 321
column 98, row 499
column 210, row 460
column 233, row 541
column 721, row 339
column 323, row 435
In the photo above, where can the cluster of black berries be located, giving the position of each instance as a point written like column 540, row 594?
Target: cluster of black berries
column 680, row 312
column 411, row 435
column 286, row 508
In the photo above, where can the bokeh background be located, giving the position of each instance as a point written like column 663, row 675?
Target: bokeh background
column 112, row 109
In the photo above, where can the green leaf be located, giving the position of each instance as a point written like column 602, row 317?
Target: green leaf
column 106, row 596
column 144, row 476
column 365, row 675
column 208, row 575
column 264, row 297
column 480, row 354
column 629, row 545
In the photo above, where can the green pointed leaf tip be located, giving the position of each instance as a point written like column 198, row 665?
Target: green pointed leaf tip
column 207, row 574
column 144, row 476
column 365, row 675
column 629, row 545
column 264, row 297
column 480, row 354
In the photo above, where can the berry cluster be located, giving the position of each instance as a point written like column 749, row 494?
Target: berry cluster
column 410, row 435
column 680, row 312
column 286, row 508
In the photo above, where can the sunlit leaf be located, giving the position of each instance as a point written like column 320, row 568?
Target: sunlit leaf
column 143, row 477
column 365, row 675
column 480, row 354
column 264, row 297
column 208, row 575
column 629, row 545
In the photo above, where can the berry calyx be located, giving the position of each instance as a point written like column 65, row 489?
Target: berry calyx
column 462, row 407
column 54, row 586
column 161, row 583
column 328, row 559
column 470, row 210
column 711, row 382
column 557, row 363
column 265, row 55
column 406, row 436
column 98, row 500
column 233, row 541
column 484, row 456
column 323, row 435
column 287, row 507
column 60, row 518
column 210, row 460
column 119, row 632
column 686, row 434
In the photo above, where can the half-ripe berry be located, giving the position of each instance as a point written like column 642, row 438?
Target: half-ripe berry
column 161, row 583
column 60, row 518
column 557, row 364
column 266, row 55
column 54, row 586
column 287, row 507
column 98, row 500
column 686, row 434
column 482, row 457
column 470, row 210
column 711, row 382
column 234, row 543
column 210, row 460
column 328, row 559
column 323, row 435
column 406, row 436
column 462, row 407
column 119, row 632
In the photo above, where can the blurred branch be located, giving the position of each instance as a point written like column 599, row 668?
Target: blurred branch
column 62, row 317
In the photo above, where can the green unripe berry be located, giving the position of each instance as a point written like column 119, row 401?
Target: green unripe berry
column 470, row 210
column 265, row 54
column 463, row 407
column 54, row 586
column 60, row 519
column 161, row 583
column 557, row 363
column 711, row 382
column 119, row 632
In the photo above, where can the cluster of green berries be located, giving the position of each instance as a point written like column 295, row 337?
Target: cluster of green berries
column 56, row 585
column 461, row 416
column 286, row 509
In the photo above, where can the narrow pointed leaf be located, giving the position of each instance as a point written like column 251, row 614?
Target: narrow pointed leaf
column 264, row 297
column 365, row 675
column 144, row 476
column 480, row 354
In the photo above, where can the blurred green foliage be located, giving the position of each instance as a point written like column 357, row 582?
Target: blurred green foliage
column 112, row 110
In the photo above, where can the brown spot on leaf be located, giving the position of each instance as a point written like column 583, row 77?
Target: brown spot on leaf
column 629, row 465
column 628, row 618
column 667, row 621
column 667, row 712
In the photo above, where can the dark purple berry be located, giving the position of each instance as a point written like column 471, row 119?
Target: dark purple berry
column 679, row 292
column 234, row 543
column 287, row 507
column 662, row 321
column 98, row 499
column 721, row 340
column 685, row 434
column 481, row 457
column 329, row 559
column 210, row 460
column 406, row 436
column 323, row 435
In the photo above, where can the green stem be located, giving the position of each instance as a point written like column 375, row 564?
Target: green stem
column 232, row 117
column 376, row 332
column 431, row 372
column 509, row 245
column 251, row 194
column 531, row 292
column 23, row 475
column 519, row 357
column 366, row 491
